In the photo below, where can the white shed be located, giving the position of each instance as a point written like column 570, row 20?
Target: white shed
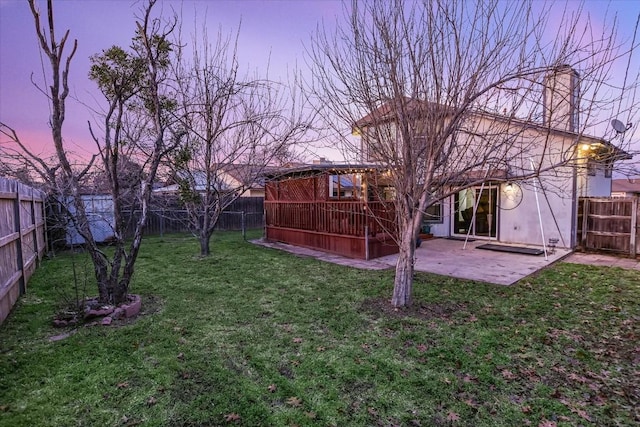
column 101, row 218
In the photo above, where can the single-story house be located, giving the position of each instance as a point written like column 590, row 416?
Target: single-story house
column 627, row 187
column 248, row 179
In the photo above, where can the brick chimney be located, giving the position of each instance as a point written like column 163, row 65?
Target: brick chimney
column 561, row 99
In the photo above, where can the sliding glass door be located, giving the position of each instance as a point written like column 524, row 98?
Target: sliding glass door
column 475, row 212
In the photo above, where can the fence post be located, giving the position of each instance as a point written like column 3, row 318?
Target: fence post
column 585, row 217
column 162, row 223
column 634, row 227
column 243, row 224
column 45, row 227
column 18, row 228
column 32, row 207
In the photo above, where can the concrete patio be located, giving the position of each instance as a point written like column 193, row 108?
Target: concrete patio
column 448, row 258
column 452, row 258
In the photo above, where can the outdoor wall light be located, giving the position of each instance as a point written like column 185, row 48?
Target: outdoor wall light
column 509, row 187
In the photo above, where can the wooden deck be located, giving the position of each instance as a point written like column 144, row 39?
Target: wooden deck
column 355, row 229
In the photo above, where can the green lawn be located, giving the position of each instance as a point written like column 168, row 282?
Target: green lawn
column 252, row 336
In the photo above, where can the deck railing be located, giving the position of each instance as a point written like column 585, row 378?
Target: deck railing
column 348, row 218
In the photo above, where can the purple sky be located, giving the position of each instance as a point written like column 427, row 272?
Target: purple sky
column 270, row 29
column 276, row 28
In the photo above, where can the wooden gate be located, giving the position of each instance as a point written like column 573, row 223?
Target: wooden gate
column 609, row 225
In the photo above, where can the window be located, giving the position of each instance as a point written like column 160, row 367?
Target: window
column 433, row 214
column 347, row 186
column 592, row 167
column 608, row 169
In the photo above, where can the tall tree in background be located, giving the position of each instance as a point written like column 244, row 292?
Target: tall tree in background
column 441, row 93
column 234, row 127
column 136, row 125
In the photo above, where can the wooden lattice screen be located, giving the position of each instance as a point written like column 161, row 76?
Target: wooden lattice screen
column 300, row 189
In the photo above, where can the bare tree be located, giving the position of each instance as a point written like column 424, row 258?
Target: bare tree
column 135, row 123
column 235, row 126
column 450, row 94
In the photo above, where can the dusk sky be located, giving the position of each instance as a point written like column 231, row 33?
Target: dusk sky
column 269, row 28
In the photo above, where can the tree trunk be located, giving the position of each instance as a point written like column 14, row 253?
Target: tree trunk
column 403, row 283
column 204, row 245
column 102, row 278
column 121, row 291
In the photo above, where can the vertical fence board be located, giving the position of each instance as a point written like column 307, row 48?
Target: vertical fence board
column 634, row 228
column 609, row 225
column 22, row 237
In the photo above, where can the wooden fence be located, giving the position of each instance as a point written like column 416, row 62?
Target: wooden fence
column 609, row 225
column 243, row 213
column 22, row 239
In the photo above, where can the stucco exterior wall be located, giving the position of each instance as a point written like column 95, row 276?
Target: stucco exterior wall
column 543, row 212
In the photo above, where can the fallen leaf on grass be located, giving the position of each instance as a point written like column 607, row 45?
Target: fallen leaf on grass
column 129, row 422
column 469, row 379
column 547, row 423
column 452, row 416
column 294, row 401
column 321, row 348
column 422, row 348
column 579, row 378
column 272, row 388
column 471, row 403
column 582, row 414
column 526, row 409
column 297, row 340
column 232, row 417
column 310, row 415
column 4, row 408
column 180, row 356
column 372, row 411
column 123, row 385
column 151, row 401
column 507, row 374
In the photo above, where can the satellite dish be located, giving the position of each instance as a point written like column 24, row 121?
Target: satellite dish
column 620, row 127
